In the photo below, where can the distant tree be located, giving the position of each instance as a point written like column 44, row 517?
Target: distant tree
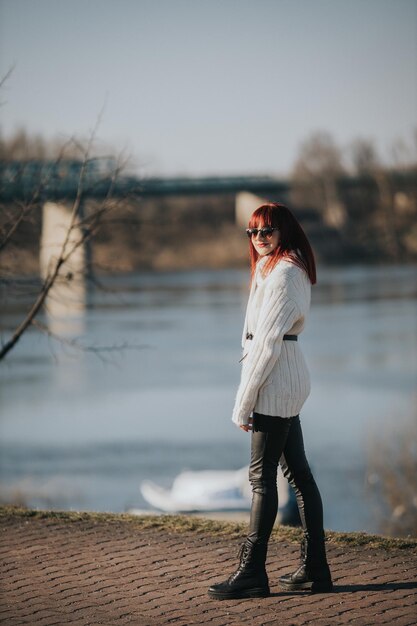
column 319, row 155
column 373, row 211
column 364, row 157
column 317, row 169
column 367, row 163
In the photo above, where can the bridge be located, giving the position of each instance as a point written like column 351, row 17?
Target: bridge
column 60, row 180
column 50, row 187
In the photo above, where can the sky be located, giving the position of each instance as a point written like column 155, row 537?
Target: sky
column 206, row 87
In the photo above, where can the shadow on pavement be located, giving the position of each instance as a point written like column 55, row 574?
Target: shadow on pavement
column 355, row 588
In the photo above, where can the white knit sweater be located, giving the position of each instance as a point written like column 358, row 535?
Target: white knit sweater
column 275, row 379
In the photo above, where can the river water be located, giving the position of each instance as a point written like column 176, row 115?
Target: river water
column 81, row 429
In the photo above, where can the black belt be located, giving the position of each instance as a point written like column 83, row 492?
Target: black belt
column 285, row 337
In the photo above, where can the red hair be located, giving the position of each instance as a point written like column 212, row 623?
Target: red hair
column 293, row 244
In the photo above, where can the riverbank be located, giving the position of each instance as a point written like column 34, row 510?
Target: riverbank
column 203, row 231
column 86, row 568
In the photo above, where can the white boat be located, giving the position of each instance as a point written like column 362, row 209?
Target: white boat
column 215, row 490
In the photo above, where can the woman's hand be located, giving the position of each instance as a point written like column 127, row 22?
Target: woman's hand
column 247, row 427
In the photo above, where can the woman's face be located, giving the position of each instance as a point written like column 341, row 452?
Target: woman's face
column 265, row 241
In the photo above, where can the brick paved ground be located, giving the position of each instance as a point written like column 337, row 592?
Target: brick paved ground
column 114, row 572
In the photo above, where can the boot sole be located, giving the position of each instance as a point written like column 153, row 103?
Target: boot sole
column 239, row 595
column 313, row 587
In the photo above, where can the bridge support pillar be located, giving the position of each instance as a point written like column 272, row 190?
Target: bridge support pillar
column 65, row 303
column 245, row 205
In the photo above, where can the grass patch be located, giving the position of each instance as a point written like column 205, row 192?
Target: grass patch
column 188, row 523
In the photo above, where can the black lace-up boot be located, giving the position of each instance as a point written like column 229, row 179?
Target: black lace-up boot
column 250, row 579
column 313, row 574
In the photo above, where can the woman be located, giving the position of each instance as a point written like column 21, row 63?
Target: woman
column 274, row 386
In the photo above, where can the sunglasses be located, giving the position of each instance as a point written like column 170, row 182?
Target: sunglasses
column 266, row 232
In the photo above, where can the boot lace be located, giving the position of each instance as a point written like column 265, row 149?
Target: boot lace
column 243, row 555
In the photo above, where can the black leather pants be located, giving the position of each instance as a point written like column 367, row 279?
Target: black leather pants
column 280, row 440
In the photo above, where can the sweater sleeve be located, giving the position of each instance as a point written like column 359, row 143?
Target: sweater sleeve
column 277, row 316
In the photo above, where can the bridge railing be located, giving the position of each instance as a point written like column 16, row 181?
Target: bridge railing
column 53, row 180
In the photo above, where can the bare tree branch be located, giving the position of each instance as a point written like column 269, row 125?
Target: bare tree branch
column 5, row 78
column 87, row 226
